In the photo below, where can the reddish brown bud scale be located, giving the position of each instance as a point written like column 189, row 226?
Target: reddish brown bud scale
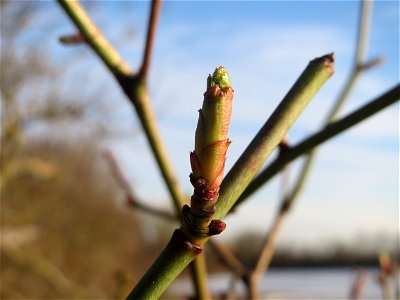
column 211, row 142
column 72, row 39
column 216, row 227
column 208, row 158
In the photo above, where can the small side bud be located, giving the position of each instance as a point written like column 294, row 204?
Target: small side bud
column 72, row 39
column 216, row 227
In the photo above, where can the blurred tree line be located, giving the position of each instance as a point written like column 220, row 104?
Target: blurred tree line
column 62, row 233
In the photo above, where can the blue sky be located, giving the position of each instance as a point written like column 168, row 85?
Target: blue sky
column 265, row 46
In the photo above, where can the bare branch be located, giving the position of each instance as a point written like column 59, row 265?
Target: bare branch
column 151, row 32
column 131, row 199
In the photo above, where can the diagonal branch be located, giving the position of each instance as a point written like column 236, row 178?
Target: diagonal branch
column 180, row 252
column 129, row 194
column 228, row 258
column 359, row 66
column 329, row 132
column 151, row 32
column 95, row 39
column 223, row 252
column 254, row 277
column 270, row 135
column 359, row 62
column 136, row 90
column 198, row 266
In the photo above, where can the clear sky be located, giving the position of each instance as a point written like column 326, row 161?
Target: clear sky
column 265, row 46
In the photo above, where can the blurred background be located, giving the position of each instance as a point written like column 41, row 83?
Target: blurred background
column 66, row 231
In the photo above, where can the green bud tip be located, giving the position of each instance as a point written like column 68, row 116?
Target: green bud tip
column 221, row 78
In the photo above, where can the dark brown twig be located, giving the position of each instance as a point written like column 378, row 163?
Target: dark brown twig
column 151, row 32
column 371, row 64
column 156, row 212
column 117, row 173
column 131, row 199
column 73, row 39
column 228, row 258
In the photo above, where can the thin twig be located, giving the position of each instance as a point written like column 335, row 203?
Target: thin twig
column 241, row 174
column 198, row 266
column 96, row 39
column 117, row 173
column 199, row 271
column 156, row 212
column 135, row 89
column 287, row 202
column 130, row 196
column 228, row 258
column 283, row 148
column 330, row 131
column 359, row 65
column 359, row 58
column 151, row 32
column 363, row 32
column 255, row 276
column 358, row 285
column 180, row 252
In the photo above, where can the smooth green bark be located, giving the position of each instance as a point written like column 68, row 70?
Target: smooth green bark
column 95, row 39
column 330, row 131
column 140, row 98
column 135, row 88
column 357, row 68
column 311, row 80
column 199, row 271
column 174, row 259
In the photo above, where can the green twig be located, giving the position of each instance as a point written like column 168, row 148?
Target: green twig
column 270, row 135
column 151, row 32
column 197, row 268
column 143, row 107
column 135, row 89
column 199, row 271
column 267, row 251
column 358, row 67
column 175, row 258
column 330, row 131
column 359, row 58
column 95, row 39
column 139, row 97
